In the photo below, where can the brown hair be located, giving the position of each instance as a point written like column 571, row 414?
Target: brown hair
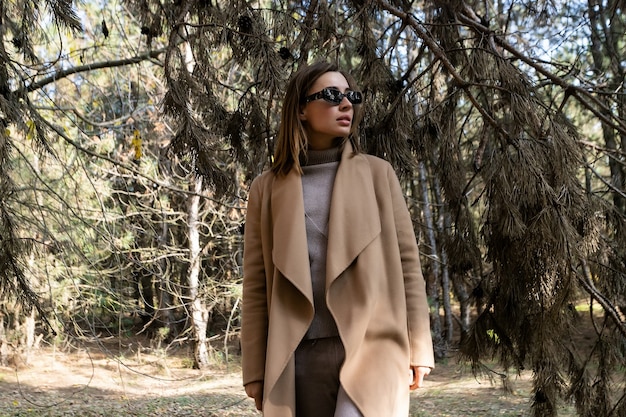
column 292, row 140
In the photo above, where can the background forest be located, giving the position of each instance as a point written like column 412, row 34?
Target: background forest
column 131, row 130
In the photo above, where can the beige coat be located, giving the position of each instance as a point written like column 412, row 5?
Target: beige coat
column 374, row 287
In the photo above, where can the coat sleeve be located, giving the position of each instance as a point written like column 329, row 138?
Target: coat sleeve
column 254, row 314
column 418, row 318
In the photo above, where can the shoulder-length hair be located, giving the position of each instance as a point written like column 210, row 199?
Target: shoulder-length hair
column 292, row 139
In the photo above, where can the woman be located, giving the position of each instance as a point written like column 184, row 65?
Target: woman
column 334, row 314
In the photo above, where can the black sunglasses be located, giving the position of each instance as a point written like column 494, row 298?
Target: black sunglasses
column 334, row 96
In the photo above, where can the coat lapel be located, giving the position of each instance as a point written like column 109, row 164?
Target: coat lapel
column 290, row 253
column 354, row 220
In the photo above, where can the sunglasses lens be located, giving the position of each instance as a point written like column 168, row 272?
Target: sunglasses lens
column 332, row 96
column 355, row 97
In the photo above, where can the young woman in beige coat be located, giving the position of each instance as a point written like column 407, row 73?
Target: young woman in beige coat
column 335, row 321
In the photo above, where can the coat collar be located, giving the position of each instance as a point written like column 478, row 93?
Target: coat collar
column 353, row 222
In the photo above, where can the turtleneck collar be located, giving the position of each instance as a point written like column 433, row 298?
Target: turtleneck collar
column 314, row 157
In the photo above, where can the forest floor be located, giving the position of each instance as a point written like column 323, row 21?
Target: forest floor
column 126, row 379
column 133, row 378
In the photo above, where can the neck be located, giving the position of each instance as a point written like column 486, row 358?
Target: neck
column 324, row 144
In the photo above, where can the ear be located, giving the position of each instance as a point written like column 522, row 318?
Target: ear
column 302, row 114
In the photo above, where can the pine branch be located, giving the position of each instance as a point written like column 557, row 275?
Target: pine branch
column 409, row 20
column 58, row 75
column 584, row 96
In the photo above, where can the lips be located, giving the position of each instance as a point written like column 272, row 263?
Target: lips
column 344, row 120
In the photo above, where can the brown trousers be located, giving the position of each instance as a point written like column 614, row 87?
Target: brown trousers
column 318, row 390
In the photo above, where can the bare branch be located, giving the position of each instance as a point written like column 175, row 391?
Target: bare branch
column 608, row 307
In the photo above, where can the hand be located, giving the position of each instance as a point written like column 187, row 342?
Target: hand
column 255, row 390
column 419, row 372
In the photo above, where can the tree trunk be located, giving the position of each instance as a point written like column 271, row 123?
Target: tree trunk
column 197, row 307
column 144, row 292
column 432, row 283
column 443, row 226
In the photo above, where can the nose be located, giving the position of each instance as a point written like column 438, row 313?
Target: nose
column 345, row 103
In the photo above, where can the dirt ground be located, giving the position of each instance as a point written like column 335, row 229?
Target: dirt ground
column 122, row 379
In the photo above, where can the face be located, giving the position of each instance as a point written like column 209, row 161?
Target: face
column 324, row 121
